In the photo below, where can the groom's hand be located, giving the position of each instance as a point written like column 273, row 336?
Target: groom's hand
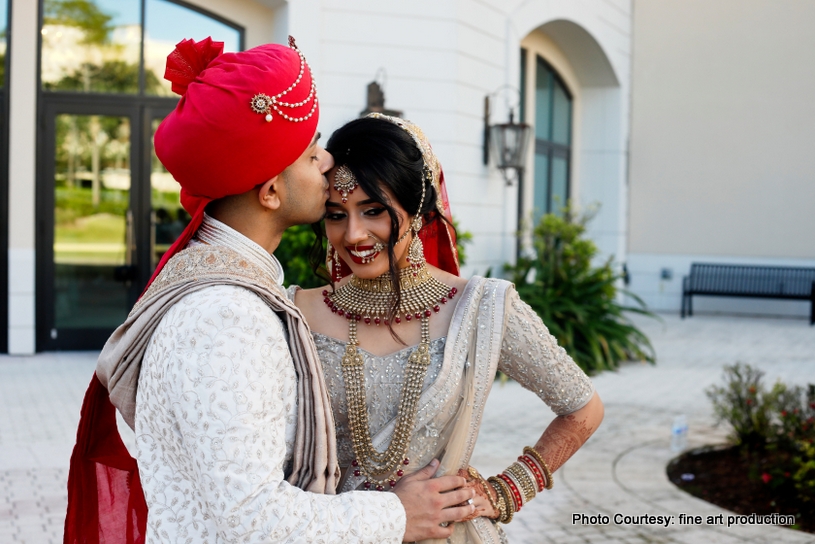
column 430, row 502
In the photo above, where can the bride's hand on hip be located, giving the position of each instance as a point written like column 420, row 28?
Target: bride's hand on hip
column 483, row 505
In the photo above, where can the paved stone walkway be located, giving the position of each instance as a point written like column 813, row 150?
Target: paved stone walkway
column 620, row 470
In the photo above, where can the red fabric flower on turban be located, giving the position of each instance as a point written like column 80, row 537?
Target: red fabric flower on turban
column 188, row 60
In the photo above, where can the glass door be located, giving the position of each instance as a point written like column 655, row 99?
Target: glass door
column 167, row 218
column 93, row 221
column 90, row 240
column 111, row 211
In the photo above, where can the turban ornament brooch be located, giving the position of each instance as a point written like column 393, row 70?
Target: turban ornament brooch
column 344, row 182
column 264, row 104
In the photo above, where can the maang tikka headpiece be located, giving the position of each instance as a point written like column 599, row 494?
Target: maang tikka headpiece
column 344, row 182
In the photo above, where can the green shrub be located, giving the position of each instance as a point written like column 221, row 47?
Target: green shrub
column 779, row 421
column 577, row 300
column 745, row 404
column 293, row 253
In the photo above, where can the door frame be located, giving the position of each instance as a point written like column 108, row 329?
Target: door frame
column 140, row 110
column 4, row 187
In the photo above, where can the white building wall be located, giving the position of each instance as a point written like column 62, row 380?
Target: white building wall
column 721, row 153
column 22, row 176
column 442, row 58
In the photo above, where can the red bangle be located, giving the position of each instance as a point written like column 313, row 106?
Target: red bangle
column 525, row 459
column 516, row 495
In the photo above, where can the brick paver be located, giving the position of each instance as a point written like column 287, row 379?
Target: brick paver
column 620, row 470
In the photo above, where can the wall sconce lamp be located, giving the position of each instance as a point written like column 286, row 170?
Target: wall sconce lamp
column 376, row 96
column 508, row 141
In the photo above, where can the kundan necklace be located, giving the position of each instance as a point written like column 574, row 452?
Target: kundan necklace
column 370, row 302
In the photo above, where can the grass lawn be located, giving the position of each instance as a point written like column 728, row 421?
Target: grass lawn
column 94, row 239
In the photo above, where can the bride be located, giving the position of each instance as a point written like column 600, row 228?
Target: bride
column 410, row 349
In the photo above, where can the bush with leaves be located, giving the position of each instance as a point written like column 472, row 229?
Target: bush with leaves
column 577, row 300
column 294, row 252
column 745, row 404
column 778, row 422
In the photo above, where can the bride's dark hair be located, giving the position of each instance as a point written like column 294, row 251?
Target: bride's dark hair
column 383, row 156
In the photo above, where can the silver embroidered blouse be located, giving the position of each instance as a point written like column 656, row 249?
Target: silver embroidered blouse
column 529, row 354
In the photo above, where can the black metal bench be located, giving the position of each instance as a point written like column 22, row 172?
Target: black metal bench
column 733, row 280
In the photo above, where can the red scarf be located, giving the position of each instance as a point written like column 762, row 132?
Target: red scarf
column 105, row 497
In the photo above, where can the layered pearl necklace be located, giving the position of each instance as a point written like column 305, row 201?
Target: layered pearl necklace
column 370, row 302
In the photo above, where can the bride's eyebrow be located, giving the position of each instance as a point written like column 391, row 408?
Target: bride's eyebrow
column 367, row 201
column 330, row 204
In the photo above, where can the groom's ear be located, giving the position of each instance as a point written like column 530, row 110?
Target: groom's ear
column 269, row 195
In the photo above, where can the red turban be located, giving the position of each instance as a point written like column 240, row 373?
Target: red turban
column 242, row 119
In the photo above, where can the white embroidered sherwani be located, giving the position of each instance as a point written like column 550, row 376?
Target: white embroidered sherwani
column 215, row 425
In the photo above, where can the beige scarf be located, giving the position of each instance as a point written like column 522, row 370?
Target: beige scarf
column 315, row 466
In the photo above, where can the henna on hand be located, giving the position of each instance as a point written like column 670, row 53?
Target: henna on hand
column 564, row 436
column 483, row 506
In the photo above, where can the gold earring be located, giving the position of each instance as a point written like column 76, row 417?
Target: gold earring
column 416, row 249
column 332, row 263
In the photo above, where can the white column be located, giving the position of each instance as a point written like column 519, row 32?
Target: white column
column 22, row 175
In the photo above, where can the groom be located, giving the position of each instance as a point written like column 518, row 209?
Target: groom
column 215, row 368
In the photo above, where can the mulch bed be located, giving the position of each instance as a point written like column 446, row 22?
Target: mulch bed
column 729, row 478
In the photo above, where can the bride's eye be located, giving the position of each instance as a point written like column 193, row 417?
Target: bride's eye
column 334, row 216
column 373, row 212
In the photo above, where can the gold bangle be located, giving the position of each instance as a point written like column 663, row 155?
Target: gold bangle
column 506, row 498
column 524, row 480
column 508, row 505
column 499, row 501
column 546, row 472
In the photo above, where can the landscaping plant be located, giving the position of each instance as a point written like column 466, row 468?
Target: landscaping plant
column 579, row 301
column 774, row 429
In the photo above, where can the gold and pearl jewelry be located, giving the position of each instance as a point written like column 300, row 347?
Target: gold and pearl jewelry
column 344, row 182
column 264, row 104
column 415, row 254
column 506, row 506
column 332, row 263
column 371, row 301
column 369, row 255
column 523, row 479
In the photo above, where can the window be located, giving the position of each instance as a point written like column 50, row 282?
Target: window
column 553, row 132
column 107, row 209
column 120, row 46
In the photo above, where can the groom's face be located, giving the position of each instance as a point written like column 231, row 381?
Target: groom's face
column 306, row 185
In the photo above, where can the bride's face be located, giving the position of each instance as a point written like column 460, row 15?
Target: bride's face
column 360, row 229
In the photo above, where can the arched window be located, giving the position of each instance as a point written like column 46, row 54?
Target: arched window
column 553, row 134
